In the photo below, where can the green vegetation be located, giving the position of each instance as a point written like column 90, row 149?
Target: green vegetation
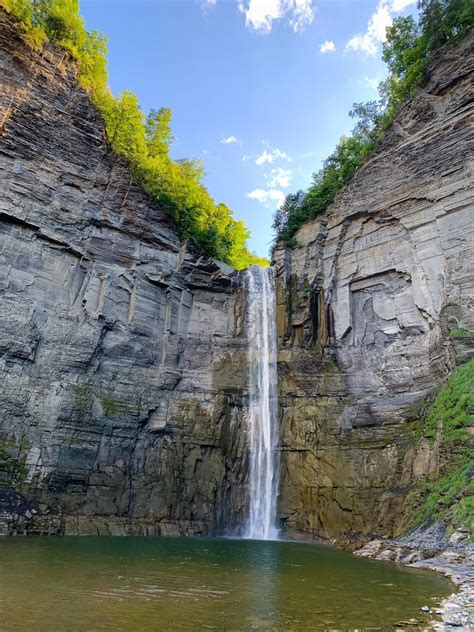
column 330, row 366
column 177, row 186
column 12, row 462
column 452, row 497
column 82, row 397
column 453, row 406
column 451, row 414
column 461, row 332
column 111, row 405
column 60, row 22
column 407, row 51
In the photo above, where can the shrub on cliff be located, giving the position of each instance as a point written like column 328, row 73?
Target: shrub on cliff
column 406, row 52
column 449, row 419
column 177, row 186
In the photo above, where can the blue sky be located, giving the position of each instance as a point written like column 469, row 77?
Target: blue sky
column 260, row 90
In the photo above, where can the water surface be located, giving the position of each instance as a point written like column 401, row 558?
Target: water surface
column 167, row 584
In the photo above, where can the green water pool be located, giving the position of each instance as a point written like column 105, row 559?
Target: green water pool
column 84, row 584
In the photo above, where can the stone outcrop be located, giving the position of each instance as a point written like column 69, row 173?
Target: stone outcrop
column 367, row 300
column 123, row 354
column 431, row 549
column 122, row 380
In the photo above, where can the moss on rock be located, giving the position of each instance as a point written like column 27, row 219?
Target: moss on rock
column 449, row 419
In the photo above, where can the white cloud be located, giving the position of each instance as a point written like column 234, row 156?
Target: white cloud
column 279, row 177
column 270, row 156
column 369, row 41
column 259, row 14
column 208, row 154
column 228, row 140
column 373, row 83
column 302, row 14
column 399, row 5
column 207, row 3
column 267, row 196
column 328, row 47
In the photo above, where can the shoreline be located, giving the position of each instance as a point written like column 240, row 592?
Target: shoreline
column 424, row 548
column 454, row 560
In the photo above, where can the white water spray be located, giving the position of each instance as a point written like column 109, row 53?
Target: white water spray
column 263, row 403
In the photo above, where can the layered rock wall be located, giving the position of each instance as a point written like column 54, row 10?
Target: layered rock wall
column 367, row 299
column 123, row 354
column 122, row 386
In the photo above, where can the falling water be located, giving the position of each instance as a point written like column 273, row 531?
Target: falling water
column 263, row 411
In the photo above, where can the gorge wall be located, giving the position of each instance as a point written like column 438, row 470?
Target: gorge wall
column 367, row 298
column 123, row 355
column 122, row 379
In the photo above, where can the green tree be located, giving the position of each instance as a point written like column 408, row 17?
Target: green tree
column 25, row 11
column 61, row 21
column 93, row 62
column 177, row 186
column 445, row 21
column 158, row 132
column 402, row 37
column 406, row 51
column 125, row 125
column 290, row 212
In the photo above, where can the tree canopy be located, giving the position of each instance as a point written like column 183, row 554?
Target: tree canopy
column 144, row 140
column 406, row 52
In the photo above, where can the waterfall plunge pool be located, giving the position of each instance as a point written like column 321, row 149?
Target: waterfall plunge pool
column 167, row 584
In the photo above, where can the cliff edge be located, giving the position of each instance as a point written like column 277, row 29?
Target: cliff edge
column 122, row 388
column 376, row 307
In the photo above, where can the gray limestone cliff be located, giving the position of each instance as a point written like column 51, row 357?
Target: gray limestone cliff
column 122, row 385
column 367, row 299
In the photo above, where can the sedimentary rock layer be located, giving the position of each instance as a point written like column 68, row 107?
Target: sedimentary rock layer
column 123, row 354
column 121, row 391
column 367, row 299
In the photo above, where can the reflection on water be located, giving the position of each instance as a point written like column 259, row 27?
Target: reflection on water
column 263, row 574
column 76, row 584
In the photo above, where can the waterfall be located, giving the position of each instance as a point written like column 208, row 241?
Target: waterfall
column 263, row 403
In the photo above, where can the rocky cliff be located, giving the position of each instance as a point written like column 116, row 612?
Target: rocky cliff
column 375, row 307
column 122, row 385
column 123, row 354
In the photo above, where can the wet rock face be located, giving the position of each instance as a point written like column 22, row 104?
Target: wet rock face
column 123, row 356
column 122, row 380
column 367, row 299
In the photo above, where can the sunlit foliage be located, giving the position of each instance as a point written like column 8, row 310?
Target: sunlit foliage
column 449, row 419
column 144, row 141
column 406, row 52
